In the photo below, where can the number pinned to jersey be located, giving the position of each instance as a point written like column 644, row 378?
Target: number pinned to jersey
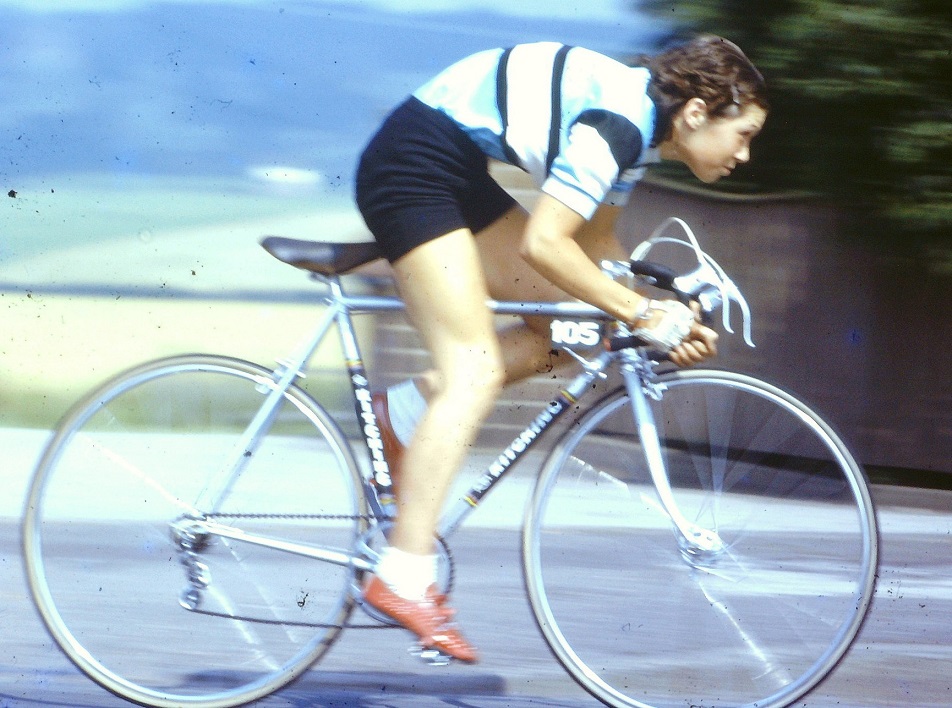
column 572, row 333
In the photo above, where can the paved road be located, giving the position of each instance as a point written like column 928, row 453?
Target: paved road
column 901, row 657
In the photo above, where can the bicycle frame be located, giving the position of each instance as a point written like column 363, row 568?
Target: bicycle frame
column 206, row 446
column 636, row 368
column 345, row 306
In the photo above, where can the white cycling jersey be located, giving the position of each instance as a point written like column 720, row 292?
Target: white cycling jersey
column 579, row 122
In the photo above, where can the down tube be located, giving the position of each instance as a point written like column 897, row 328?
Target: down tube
column 525, row 441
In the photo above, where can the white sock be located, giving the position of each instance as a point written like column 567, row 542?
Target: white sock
column 406, row 406
column 408, row 574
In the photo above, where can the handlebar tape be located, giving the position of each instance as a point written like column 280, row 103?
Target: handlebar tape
column 615, row 344
column 663, row 277
column 659, row 276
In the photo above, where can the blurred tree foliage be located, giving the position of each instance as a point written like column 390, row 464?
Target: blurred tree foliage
column 861, row 99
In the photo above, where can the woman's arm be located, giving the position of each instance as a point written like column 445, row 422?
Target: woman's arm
column 549, row 245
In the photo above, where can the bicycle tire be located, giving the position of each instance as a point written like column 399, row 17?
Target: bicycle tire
column 108, row 576
column 640, row 620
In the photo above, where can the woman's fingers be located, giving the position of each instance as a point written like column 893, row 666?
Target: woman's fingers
column 698, row 346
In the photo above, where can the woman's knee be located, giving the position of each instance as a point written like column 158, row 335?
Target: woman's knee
column 491, row 378
column 487, row 371
column 476, row 383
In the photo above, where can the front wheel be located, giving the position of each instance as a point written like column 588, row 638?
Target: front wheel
column 121, row 564
column 642, row 616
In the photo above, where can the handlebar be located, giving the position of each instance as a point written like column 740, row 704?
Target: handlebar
column 707, row 284
column 616, row 344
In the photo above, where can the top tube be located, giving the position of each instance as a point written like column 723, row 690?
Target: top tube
column 389, row 303
column 328, row 261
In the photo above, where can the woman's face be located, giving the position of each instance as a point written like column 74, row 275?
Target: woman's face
column 713, row 147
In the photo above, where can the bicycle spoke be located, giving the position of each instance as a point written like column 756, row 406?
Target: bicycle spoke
column 646, row 618
column 136, row 471
column 148, row 594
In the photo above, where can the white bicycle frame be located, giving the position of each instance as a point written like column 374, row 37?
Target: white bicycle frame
column 708, row 281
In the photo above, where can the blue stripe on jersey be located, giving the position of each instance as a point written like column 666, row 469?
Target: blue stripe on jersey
column 502, row 105
column 602, row 113
column 555, row 125
column 466, row 92
column 622, row 136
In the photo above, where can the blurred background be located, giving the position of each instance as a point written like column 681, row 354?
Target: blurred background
column 145, row 147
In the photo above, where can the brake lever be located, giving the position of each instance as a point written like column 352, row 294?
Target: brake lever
column 711, row 288
column 708, row 284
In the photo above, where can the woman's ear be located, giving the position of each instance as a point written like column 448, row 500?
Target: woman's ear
column 695, row 113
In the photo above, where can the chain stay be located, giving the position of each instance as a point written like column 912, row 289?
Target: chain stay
column 333, row 517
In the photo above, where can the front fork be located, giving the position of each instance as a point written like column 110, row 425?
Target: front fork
column 699, row 546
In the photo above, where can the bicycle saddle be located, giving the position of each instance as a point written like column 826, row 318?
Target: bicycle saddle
column 326, row 258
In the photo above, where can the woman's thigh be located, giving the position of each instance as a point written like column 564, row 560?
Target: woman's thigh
column 509, row 277
column 443, row 285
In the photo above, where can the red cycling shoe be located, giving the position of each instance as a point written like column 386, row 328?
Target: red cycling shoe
column 430, row 619
column 392, row 447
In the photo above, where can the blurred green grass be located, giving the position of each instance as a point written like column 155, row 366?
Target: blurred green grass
column 101, row 275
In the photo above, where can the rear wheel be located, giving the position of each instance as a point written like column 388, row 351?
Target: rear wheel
column 129, row 581
column 639, row 614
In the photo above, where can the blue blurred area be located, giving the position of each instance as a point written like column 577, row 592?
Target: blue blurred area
column 212, row 89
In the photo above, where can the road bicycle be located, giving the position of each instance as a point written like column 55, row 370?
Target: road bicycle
column 198, row 528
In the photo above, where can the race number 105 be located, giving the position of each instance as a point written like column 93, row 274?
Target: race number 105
column 586, row 334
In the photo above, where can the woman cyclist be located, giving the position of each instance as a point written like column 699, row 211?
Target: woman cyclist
column 585, row 127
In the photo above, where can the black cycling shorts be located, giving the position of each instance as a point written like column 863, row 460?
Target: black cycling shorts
column 421, row 177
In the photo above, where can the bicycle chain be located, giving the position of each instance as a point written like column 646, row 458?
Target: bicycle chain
column 292, row 623
column 314, row 625
column 331, row 517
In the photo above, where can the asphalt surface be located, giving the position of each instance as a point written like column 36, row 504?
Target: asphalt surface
column 901, row 656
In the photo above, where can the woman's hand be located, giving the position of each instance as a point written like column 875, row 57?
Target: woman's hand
column 667, row 321
column 699, row 345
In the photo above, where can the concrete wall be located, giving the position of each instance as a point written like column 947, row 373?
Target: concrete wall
column 862, row 339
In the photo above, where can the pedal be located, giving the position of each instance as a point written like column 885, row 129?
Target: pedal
column 430, row 655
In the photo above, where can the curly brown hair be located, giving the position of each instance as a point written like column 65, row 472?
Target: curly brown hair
column 707, row 67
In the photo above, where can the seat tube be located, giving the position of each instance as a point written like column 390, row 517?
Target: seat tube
column 378, row 484
column 345, row 328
